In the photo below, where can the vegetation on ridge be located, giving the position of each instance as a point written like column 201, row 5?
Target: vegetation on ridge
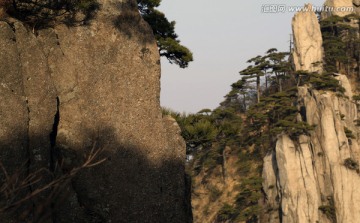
column 210, row 134
column 329, row 210
column 341, row 44
column 45, row 13
column 262, row 104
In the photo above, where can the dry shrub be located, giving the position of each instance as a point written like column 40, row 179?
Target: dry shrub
column 20, row 189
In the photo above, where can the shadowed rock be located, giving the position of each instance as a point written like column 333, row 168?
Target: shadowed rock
column 65, row 89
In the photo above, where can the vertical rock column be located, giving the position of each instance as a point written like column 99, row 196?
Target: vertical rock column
column 307, row 179
column 290, row 185
column 307, row 53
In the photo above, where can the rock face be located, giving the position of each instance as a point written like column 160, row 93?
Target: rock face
column 340, row 7
column 315, row 178
column 307, row 54
column 356, row 5
column 310, row 174
column 66, row 90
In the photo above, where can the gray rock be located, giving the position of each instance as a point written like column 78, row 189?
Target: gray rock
column 93, row 86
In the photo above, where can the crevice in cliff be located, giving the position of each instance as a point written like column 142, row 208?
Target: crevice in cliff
column 28, row 150
column 315, row 166
column 303, row 167
column 58, row 42
column 53, row 150
column 342, row 158
column 53, row 136
column 28, row 121
column 187, row 199
column 11, row 25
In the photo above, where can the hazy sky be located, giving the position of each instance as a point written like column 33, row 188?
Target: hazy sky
column 223, row 35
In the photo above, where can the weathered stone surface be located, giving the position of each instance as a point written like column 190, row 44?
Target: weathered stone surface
column 298, row 186
column 270, row 187
column 40, row 95
column 340, row 8
column 13, row 119
column 307, row 54
column 356, row 4
column 311, row 170
column 344, row 81
column 71, row 89
column 344, row 8
column 13, row 112
column 302, row 175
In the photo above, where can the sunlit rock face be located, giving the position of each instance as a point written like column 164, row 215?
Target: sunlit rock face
column 307, row 54
column 304, row 175
column 339, row 7
column 315, row 178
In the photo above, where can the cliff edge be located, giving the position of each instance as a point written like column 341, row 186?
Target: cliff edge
column 67, row 91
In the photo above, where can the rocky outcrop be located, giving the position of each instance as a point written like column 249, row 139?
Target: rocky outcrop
column 307, row 53
column 313, row 176
column 66, row 90
column 339, row 7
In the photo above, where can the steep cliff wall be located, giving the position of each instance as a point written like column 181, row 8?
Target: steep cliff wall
column 65, row 90
column 303, row 176
column 315, row 178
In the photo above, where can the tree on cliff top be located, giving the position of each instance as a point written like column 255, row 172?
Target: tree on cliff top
column 44, row 13
column 256, row 71
column 164, row 31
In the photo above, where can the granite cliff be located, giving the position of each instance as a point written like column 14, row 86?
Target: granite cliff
column 68, row 90
column 315, row 178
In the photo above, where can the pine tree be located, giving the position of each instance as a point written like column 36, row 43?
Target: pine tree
column 256, row 71
column 240, row 96
column 164, row 31
column 279, row 66
column 46, row 13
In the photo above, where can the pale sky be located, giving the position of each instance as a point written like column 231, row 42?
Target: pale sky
column 222, row 35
